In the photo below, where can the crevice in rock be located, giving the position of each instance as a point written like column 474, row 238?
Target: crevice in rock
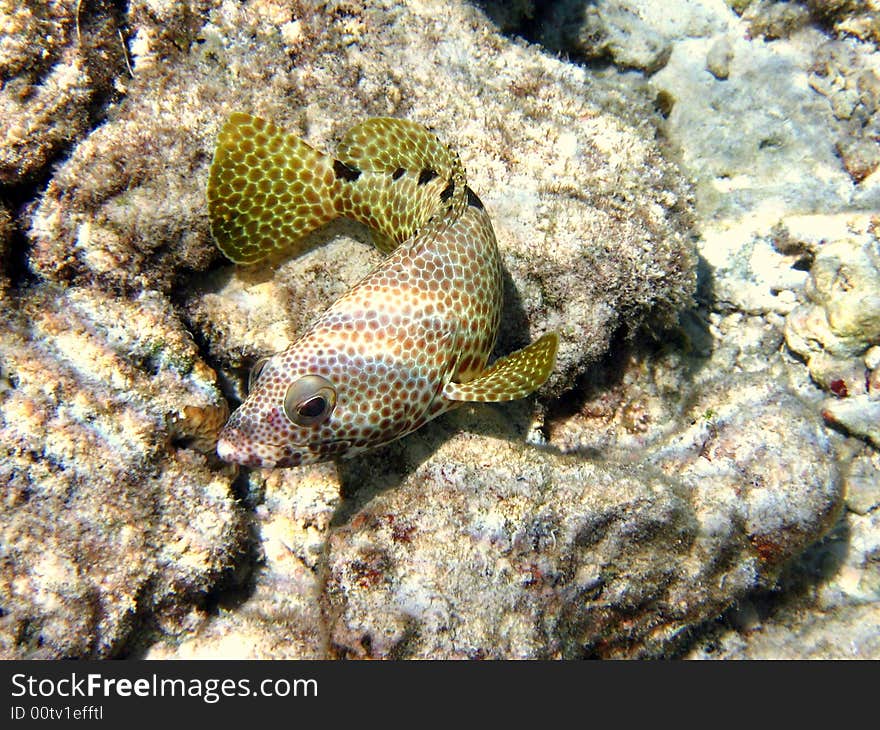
column 229, row 379
column 239, row 581
column 15, row 253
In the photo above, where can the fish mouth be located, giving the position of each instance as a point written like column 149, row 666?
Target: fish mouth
column 234, row 447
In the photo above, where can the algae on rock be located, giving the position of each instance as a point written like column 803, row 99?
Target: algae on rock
column 103, row 521
column 463, row 539
column 57, row 61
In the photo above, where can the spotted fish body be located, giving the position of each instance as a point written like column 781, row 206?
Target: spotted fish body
column 408, row 342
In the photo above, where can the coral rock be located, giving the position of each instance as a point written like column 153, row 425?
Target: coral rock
column 103, row 520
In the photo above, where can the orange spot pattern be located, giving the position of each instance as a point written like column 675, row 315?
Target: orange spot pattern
column 424, row 319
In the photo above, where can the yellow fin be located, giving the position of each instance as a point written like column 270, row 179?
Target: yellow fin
column 266, row 189
column 384, row 144
column 511, row 377
column 409, row 175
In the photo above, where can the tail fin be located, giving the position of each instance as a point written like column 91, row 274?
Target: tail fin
column 266, row 189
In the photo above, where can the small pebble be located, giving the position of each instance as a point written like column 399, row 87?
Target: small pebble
column 719, row 57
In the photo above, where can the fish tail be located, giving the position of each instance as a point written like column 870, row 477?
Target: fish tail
column 267, row 189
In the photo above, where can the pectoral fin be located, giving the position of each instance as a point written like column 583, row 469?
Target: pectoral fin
column 511, row 377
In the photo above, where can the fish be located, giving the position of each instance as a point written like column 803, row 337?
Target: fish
column 410, row 340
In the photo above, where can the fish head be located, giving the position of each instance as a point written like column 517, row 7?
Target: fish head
column 310, row 404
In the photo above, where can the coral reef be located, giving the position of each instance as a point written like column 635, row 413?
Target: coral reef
column 826, row 604
column 654, row 487
column 103, row 521
column 57, row 61
column 282, row 616
column 121, row 229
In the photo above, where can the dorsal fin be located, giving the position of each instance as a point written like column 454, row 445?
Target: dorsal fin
column 386, row 144
column 409, row 175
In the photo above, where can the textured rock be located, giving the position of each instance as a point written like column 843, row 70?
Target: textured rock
column 102, row 521
column 858, row 18
column 282, row 617
column 862, row 485
column 524, row 554
column 826, row 604
column 761, row 233
column 770, row 20
column 633, row 34
column 846, row 73
column 56, row 60
column 840, row 321
column 719, row 57
column 751, row 141
column 859, row 415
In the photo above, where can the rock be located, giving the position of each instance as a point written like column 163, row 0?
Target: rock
column 104, row 522
column 854, row 17
column 862, row 484
column 858, row 414
column 767, row 155
column 57, row 61
column 719, row 57
column 633, row 34
column 763, row 149
column 836, row 328
column 523, row 554
column 845, row 73
column 771, row 20
column 861, row 157
column 826, row 604
column 282, row 616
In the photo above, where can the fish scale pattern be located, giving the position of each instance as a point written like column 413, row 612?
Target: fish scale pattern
column 403, row 345
column 266, row 189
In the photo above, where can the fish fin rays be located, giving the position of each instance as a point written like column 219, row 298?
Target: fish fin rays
column 511, row 377
column 386, row 144
column 407, row 171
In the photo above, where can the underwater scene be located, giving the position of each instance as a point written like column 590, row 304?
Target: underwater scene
column 440, row 329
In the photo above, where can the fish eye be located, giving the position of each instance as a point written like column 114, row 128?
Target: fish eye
column 255, row 372
column 310, row 400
